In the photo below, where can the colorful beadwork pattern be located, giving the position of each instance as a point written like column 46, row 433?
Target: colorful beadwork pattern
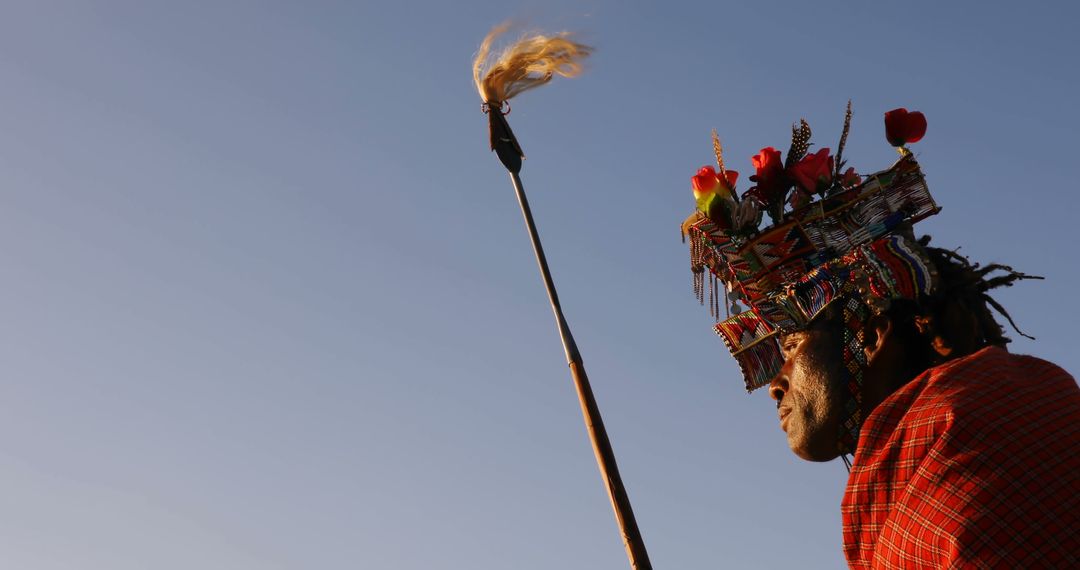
column 890, row 268
column 752, row 341
column 817, row 233
column 855, row 315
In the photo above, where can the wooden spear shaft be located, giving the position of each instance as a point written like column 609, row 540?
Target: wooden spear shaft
column 605, row 456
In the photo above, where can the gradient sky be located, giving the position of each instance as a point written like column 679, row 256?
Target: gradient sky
column 268, row 302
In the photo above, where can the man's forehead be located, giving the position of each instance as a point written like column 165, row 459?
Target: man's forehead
column 792, row 335
column 812, row 329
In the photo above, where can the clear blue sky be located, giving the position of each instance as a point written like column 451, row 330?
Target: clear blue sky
column 268, row 303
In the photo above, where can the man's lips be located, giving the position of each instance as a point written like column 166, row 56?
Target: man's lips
column 783, row 412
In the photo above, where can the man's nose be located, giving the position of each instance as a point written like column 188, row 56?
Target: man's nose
column 778, row 387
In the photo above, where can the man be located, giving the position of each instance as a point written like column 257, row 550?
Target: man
column 880, row 346
column 968, row 455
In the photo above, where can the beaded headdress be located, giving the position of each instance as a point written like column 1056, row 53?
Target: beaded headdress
column 836, row 236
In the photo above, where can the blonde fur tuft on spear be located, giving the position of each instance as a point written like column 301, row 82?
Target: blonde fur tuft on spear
column 527, row 63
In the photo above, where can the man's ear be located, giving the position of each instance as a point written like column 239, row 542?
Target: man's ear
column 878, row 332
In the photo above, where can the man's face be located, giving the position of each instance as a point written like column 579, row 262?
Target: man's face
column 809, row 392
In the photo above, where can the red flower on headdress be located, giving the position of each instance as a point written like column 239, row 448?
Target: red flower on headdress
column 850, row 178
column 902, row 127
column 814, row 172
column 770, row 182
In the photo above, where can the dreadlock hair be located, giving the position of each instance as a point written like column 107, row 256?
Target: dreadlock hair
column 955, row 320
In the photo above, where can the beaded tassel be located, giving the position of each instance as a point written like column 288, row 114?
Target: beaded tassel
column 855, row 315
column 716, row 297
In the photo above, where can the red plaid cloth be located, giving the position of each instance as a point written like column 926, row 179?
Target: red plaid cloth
column 973, row 464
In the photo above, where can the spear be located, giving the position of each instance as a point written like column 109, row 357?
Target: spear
column 526, row 64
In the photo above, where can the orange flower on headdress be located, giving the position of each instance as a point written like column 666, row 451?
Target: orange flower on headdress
column 715, row 194
column 708, row 181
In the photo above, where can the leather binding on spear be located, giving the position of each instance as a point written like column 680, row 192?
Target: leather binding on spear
column 526, row 64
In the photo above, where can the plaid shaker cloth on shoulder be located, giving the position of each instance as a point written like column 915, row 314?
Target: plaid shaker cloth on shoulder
column 973, row 464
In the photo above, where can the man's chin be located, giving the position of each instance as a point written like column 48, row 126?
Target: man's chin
column 817, row 451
